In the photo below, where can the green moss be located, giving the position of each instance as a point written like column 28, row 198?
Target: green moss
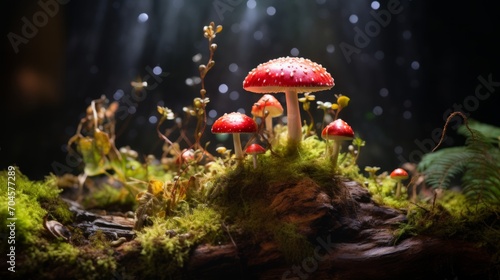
column 60, row 260
column 168, row 243
column 450, row 217
column 383, row 190
column 43, row 256
column 294, row 246
column 247, row 182
column 30, row 202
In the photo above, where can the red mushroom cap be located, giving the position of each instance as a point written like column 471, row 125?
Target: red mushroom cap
column 277, row 75
column 267, row 103
column 234, row 123
column 337, row 130
column 255, row 149
column 399, row 174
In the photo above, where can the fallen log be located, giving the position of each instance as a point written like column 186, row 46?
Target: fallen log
column 356, row 245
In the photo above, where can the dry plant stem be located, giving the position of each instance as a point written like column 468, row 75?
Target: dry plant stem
column 74, row 138
column 414, row 189
column 446, row 126
column 231, row 238
column 337, row 113
column 94, row 112
column 114, row 153
column 293, row 117
column 202, row 122
column 161, row 134
column 200, row 127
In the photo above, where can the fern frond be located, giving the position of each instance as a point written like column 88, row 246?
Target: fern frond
column 481, row 180
column 442, row 166
column 491, row 133
column 478, row 162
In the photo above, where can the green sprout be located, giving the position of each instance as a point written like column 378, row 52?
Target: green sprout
column 306, row 105
column 326, row 107
column 358, row 143
column 333, row 108
column 372, row 171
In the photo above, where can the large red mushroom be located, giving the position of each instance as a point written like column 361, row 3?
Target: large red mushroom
column 291, row 75
column 235, row 123
column 337, row 131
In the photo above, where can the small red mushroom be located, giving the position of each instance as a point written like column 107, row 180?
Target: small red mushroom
column 399, row 174
column 267, row 107
column 185, row 157
column 291, row 75
column 235, row 123
column 254, row 150
column 337, row 131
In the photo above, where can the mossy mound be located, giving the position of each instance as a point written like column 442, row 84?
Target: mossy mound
column 286, row 199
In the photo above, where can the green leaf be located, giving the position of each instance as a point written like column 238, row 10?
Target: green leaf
column 94, row 161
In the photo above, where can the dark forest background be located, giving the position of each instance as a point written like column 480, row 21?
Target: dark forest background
column 406, row 73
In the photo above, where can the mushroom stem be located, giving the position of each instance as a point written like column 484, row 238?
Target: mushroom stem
column 238, row 151
column 254, row 159
column 398, row 189
column 293, row 117
column 269, row 125
column 335, row 153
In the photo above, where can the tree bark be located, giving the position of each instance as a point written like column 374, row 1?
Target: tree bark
column 352, row 236
column 355, row 244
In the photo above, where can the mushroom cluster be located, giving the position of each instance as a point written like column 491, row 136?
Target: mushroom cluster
column 291, row 75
